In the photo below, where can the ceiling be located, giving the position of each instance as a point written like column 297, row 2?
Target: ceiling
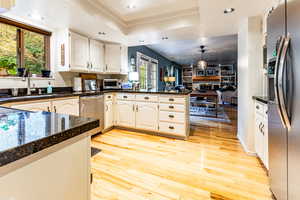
column 220, row 50
column 129, row 10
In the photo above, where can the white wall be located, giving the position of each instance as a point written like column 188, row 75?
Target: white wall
column 250, row 77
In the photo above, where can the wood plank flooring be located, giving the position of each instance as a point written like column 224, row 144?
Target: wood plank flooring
column 210, row 165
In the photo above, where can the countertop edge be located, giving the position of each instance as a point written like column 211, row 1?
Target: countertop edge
column 85, row 94
column 17, row 153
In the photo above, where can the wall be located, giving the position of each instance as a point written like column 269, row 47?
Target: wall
column 162, row 61
column 250, row 76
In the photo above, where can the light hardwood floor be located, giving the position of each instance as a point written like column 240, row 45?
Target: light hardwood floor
column 210, row 165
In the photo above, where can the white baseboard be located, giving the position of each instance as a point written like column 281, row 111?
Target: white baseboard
column 250, row 153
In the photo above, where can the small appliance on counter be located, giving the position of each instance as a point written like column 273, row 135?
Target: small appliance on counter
column 90, row 85
column 127, row 86
column 111, row 84
column 77, row 84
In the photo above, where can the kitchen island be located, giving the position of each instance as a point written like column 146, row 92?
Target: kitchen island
column 44, row 155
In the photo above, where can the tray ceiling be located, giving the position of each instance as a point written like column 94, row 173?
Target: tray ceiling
column 129, row 10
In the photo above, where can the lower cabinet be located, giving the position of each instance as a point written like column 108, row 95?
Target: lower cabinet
column 166, row 114
column 146, row 116
column 261, row 133
column 42, row 106
column 69, row 106
column 125, row 113
column 109, row 115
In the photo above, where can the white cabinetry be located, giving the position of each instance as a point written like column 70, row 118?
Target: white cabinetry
column 42, row 106
column 147, row 116
column 125, row 113
column 144, row 112
column 109, row 115
column 96, row 56
column 261, row 132
column 66, row 106
column 116, row 61
column 69, row 106
column 79, row 52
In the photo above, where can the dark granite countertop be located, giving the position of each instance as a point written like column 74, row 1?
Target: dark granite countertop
column 262, row 99
column 23, row 133
column 9, row 99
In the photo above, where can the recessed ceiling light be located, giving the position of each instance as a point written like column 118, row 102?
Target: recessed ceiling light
column 131, row 6
column 36, row 16
column 141, row 41
column 101, row 33
column 229, row 10
column 164, row 38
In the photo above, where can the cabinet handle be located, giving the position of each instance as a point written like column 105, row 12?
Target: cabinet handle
column 171, row 99
column 171, row 116
column 54, row 108
column 125, row 97
column 171, row 127
column 171, row 107
column 257, row 107
column 137, row 108
column 88, row 64
column 133, row 108
column 146, row 98
column 106, row 107
column 108, row 97
column 106, row 68
column 48, row 108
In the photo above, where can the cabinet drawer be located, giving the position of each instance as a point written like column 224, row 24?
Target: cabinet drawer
column 173, row 129
column 147, row 98
column 176, row 117
column 172, row 99
column 109, row 97
column 125, row 96
column 172, row 107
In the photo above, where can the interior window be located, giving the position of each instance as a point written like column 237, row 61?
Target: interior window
column 8, row 47
column 22, row 46
column 147, row 68
column 34, row 52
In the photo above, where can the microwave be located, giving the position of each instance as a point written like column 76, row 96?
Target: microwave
column 111, row 84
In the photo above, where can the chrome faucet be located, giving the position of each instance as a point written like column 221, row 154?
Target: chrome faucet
column 26, row 75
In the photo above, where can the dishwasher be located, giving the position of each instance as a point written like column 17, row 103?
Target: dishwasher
column 93, row 107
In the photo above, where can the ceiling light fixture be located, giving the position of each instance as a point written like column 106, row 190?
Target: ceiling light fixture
column 6, row 5
column 202, row 64
column 229, row 10
column 131, row 6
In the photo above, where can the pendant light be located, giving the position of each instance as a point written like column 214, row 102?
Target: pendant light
column 6, row 5
column 202, row 64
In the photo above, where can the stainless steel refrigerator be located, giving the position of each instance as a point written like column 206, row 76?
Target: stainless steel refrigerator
column 283, row 45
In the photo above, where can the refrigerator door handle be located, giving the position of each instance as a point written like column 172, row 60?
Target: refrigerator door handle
column 282, row 100
column 276, row 78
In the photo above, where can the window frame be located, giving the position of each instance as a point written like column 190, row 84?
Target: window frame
column 20, row 40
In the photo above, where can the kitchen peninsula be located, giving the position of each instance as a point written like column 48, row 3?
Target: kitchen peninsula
column 44, row 155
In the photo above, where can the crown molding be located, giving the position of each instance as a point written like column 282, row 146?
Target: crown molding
column 164, row 17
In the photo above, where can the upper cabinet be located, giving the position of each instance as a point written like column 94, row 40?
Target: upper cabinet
column 78, row 53
column 96, row 56
column 116, row 59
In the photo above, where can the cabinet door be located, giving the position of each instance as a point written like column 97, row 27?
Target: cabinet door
column 109, row 115
column 147, row 116
column 41, row 106
column 125, row 113
column 67, row 106
column 79, row 52
column 124, row 57
column 96, row 56
column 113, row 58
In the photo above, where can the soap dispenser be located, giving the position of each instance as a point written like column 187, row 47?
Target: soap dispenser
column 49, row 88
